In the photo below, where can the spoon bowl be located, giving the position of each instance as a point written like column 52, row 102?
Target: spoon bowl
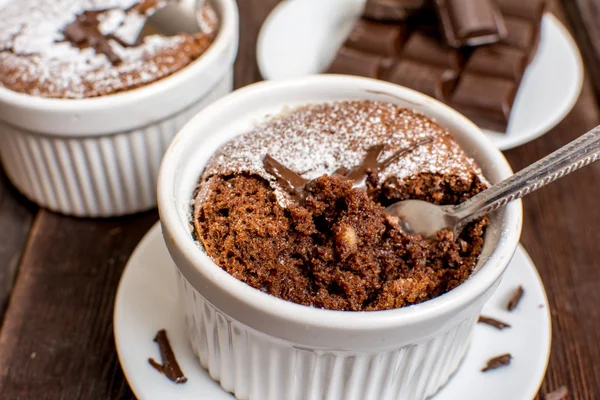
column 418, row 217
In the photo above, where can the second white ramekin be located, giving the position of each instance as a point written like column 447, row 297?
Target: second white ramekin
column 99, row 157
column 263, row 348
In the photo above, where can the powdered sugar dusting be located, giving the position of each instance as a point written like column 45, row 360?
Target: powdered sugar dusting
column 36, row 59
column 318, row 139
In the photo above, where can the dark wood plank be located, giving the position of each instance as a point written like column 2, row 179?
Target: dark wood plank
column 16, row 216
column 57, row 338
column 583, row 16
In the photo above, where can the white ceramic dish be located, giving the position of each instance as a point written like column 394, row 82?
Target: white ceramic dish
column 301, row 37
column 239, row 332
column 99, row 157
column 147, row 300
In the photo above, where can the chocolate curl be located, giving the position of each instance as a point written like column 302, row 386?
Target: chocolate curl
column 170, row 366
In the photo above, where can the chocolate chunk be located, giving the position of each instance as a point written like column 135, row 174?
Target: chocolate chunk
column 372, row 37
column 520, row 34
column 497, row 362
column 393, row 10
column 170, row 366
column 559, row 394
column 470, row 22
column 432, row 80
column 515, row 299
column 354, row 62
column 426, row 47
column 484, row 99
column 493, row 322
column 498, row 60
column 531, row 10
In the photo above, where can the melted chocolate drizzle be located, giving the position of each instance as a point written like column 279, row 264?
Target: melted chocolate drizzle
column 358, row 175
column 170, row 367
column 85, row 32
column 287, row 178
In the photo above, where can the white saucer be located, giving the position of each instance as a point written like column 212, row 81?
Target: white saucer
column 301, row 37
column 147, row 301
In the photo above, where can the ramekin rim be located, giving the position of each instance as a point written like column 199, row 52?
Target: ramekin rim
column 284, row 310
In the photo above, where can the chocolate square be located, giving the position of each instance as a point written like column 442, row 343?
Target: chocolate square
column 435, row 81
column 498, row 60
column 427, row 47
column 394, row 10
column 354, row 62
column 531, row 10
column 378, row 38
column 486, row 100
column 520, row 33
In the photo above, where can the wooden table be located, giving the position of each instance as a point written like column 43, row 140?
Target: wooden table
column 58, row 275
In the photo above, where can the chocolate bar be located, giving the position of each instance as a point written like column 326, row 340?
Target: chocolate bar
column 393, row 10
column 480, row 82
column 470, row 22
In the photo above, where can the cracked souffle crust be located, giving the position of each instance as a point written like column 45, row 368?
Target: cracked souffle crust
column 89, row 48
column 333, row 247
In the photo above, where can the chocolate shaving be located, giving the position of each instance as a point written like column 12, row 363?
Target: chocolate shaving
column 497, row 362
column 170, row 367
column 493, row 322
column 515, row 298
column 84, row 32
column 156, row 365
column 559, row 394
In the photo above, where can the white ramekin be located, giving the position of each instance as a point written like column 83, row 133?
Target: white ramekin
column 99, row 157
column 263, row 348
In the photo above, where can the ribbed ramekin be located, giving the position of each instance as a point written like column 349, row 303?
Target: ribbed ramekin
column 260, row 347
column 99, row 157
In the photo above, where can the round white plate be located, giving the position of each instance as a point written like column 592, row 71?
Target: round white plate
column 147, row 301
column 301, row 37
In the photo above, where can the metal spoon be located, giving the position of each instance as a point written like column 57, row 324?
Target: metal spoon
column 422, row 218
column 177, row 16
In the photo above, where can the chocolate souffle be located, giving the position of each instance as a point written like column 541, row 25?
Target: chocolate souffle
column 89, row 48
column 294, row 208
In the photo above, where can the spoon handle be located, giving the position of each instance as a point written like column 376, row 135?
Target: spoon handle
column 576, row 154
